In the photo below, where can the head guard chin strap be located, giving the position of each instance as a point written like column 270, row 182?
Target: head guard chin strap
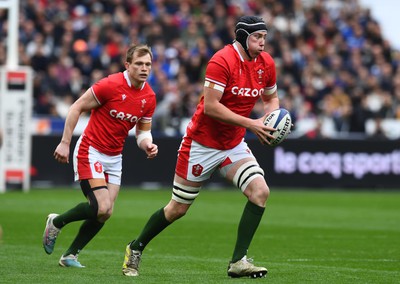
column 245, row 27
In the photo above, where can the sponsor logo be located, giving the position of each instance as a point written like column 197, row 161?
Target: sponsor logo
column 123, row 97
column 337, row 164
column 123, row 116
column 247, row 92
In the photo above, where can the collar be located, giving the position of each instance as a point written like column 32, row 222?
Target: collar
column 128, row 81
column 235, row 46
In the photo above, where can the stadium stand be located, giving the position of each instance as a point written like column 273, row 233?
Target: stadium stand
column 338, row 75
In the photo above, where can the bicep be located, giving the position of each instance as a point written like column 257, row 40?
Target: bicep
column 211, row 97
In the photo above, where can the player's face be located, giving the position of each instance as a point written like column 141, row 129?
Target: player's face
column 256, row 43
column 139, row 68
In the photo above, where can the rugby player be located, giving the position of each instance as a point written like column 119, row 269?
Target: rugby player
column 237, row 76
column 117, row 104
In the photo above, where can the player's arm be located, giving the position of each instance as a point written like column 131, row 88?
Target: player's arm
column 85, row 103
column 216, row 110
column 270, row 102
column 144, row 138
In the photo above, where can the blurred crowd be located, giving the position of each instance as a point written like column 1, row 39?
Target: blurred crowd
column 335, row 70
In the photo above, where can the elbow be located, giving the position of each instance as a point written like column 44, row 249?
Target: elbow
column 208, row 110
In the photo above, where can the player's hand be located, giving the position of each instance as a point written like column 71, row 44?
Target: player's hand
column 261, row 131
column 151, row 151
column 61, row 154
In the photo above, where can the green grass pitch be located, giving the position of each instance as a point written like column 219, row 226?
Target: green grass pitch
column 305, row 237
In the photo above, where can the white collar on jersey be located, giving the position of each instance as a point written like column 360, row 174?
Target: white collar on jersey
column 128, row 81
column 235, row 46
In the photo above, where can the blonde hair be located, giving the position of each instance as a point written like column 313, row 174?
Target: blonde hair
column 140, row 49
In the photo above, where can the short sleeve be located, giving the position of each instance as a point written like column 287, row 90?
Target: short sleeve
column 101, row 90
column 217, row 73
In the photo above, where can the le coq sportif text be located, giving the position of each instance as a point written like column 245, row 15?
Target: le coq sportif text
column 336, row 164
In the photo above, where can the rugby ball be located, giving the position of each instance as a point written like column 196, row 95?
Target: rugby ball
column 281, row 120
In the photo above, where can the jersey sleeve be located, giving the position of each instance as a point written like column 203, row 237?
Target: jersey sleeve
column 148, row 115
column 101, row 90
column 270, row 84
column 217, row 73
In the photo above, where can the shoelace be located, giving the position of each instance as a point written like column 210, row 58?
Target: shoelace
column 249, row 263
column 134, row 260
column 53, row 231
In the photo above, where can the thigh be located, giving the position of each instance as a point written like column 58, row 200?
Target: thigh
column 100, row 190
column 245, row 173
column 113, row 169
column 248, row 176
column 196, row 162
column 107, row 194
column 183, row 195
column 235, row 158
column 113, row 190
column 89, row 163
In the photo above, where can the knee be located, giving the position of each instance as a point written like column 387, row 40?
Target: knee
column 104, row 212
column 177, row 213
column 259, row 195
column 263, row 194
column 174, row 211
column 180, row 212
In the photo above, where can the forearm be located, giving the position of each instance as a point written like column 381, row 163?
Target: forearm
column 70, row 124
column 271, row 102
column 222, row 113
column 272, row 105
column 143, row 145
column 144, row 139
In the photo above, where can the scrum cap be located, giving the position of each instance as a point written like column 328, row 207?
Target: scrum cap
column 247, row 25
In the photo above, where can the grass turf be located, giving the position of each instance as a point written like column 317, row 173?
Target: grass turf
column 305, row 237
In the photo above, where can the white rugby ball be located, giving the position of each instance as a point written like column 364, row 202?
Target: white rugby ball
column 281, row 120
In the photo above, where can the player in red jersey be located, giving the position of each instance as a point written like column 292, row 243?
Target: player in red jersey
column 117, row 104
column 236, row 78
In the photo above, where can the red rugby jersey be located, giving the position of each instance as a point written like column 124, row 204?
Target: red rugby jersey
column 122, row 105
column 242, row 83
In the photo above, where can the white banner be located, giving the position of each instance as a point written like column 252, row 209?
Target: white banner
column 15, row 121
